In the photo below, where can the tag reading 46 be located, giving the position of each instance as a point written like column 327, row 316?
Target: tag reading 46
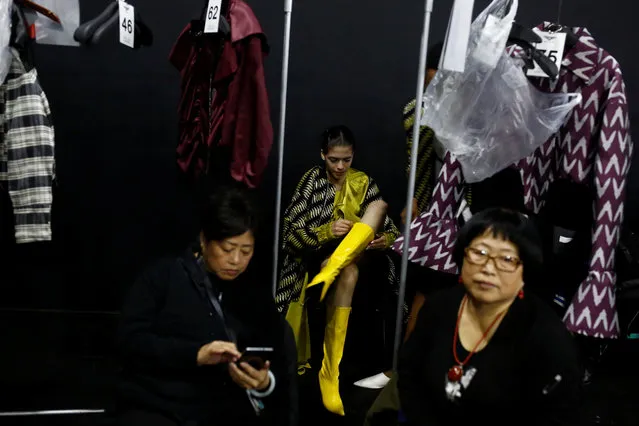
column 127, row 24
column 552, row 45
column 212, row 18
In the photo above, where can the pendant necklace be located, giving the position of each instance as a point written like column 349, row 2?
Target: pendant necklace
column 456, row 372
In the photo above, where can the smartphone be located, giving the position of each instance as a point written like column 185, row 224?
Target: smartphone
column 256, row 356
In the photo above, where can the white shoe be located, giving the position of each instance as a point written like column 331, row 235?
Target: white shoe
column 378, row 381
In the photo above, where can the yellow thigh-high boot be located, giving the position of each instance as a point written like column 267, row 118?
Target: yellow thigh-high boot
column 334, row 338
column 351, row 246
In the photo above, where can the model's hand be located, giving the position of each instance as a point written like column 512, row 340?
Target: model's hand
column 414, row 209
column 217, row 352
column 248, row 377
column 378, row 243
column 341, row 227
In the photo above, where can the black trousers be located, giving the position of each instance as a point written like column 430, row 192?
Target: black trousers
column 140, row 417
column 146, row 418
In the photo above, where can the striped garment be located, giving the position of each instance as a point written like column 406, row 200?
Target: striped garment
column 424, row 180
column 307, row 222
column 27, row 152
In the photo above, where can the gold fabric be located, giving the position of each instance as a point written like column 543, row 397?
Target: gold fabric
column 298, row 320
column 349, row 199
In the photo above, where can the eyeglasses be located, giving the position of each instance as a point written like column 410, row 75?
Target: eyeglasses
column 503, row 263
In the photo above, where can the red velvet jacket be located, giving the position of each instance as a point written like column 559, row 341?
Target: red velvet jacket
column 238, row 116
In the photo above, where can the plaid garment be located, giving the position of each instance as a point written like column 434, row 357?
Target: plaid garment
column 27, row 152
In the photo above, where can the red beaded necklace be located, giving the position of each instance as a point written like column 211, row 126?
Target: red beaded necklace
column 456, row 372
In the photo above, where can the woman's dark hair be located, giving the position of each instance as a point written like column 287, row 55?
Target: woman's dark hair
column 337, row 136
column 434, row 55
column 508, row 225
column 228, row 211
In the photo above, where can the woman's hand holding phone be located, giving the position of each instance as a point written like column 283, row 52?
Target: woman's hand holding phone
column 218, row 352
column 247, row 377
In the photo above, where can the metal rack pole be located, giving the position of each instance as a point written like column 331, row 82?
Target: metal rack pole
column 421, row 74
column 288, row 10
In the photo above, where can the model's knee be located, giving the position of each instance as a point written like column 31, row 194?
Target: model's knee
column 348, row 277
column 379, row 206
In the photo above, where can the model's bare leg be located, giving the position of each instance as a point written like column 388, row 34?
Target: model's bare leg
column 375, row 215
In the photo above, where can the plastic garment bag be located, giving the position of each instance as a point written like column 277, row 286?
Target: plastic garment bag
column 49, row 32
column 490, row 116
column 5, row 38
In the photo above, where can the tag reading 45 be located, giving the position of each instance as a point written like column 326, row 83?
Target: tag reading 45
column 212, row 18
column 552, row 45
column 127, row 24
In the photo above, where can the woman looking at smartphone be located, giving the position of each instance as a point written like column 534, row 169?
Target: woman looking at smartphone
column 184, row 326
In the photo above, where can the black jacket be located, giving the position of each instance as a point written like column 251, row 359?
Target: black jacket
column 167, row 318
column 528, row 350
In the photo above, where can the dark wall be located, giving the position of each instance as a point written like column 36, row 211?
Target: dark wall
column 118, row 203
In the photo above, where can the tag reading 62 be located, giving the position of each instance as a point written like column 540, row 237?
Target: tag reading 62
column 212, row 18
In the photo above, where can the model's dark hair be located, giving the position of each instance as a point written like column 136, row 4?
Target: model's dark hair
column 337, row 136
column 508, row 225
column 228, row 211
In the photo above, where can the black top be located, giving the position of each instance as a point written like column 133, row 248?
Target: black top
column 168, row 317
column 504, row 382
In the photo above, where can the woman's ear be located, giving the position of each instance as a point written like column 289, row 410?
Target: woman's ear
column 323, row 156
column 202, row 242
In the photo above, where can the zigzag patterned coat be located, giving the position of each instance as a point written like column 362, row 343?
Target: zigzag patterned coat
column 307, row 226
column 593, row 148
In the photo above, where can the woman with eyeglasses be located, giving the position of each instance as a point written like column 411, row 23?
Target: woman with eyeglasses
column 488, row 350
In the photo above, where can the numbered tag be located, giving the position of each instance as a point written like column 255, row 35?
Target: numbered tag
column 552, row 45
column 212, row 18
column 127, row 24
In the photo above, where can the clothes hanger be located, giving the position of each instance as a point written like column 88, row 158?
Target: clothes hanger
column 22, row 36
column 571, row 38
column 521, row 33
column 91, row 32
column 37, row 8
column 545, row 63
column 143, row 34
column 85, row 32
column 525, row 38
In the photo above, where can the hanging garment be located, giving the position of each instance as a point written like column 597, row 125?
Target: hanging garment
column 27, row 152
column 565, row 224
column 593, row 148
column 224, row 107
column 6, row 7
column 430, row 154
column 426, row 157
column 490, row 116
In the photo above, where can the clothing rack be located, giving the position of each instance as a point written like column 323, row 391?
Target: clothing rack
column 288, row 10
column 421, row 73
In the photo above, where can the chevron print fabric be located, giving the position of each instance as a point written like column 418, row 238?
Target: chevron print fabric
column 593, row 148
column 433, row 233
